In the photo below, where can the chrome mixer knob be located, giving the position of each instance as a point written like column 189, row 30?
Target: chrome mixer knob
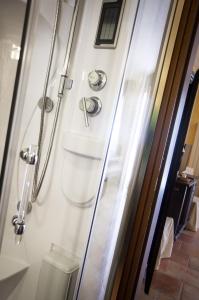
column 97, row 80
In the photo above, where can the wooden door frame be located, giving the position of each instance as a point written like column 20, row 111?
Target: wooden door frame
column 128, row 272
column 156, row 233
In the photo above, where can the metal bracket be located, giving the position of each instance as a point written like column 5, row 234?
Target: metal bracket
column 29, row 156
column 48, row 104
column 64, row 83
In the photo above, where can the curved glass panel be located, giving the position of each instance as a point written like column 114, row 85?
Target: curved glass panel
column 12, row 15
column 130, row 130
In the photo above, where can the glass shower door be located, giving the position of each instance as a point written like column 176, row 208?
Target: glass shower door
column 12, row 14
column 130, row 142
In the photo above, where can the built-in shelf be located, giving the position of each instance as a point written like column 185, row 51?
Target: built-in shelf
column 10, row 266
column 83, row 145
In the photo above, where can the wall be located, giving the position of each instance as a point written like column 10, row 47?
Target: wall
column 193, row 122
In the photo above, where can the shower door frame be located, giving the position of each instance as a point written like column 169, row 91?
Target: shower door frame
column 130, row 270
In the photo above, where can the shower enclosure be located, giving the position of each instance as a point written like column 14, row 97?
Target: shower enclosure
column 74, row 121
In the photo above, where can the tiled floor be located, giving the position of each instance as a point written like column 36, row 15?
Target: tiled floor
column 178, row 276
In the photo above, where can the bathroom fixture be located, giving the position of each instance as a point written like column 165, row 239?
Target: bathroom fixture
column 48, row 103
column 90, row 106
column 97, row 80
column 24, row 206
column 65, row 83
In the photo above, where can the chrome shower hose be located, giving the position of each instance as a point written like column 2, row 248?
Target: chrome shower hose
column 37, row 184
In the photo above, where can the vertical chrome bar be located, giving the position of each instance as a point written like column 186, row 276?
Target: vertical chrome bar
column 70, row 40
column 55, row 29
column 18, row 220
column 37, row 185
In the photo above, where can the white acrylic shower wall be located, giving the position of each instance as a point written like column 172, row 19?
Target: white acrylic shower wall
column 70, row 177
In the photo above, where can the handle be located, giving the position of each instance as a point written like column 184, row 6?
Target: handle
column 85, row 112
column 91, row 107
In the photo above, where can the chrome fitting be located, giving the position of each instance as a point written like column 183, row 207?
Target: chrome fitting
column 48, row 103
column 29, row 156
column 19, row 227
column 65, row 83
column 28, row 208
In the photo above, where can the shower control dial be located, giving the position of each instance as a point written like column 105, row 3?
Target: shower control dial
column 97, row 80
column 90, row 107
column 94, row 78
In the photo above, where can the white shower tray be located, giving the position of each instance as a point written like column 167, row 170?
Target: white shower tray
column 10, row 266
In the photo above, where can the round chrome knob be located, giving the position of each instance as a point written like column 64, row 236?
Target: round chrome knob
column 94, row 78
column 90, row 106
column 97, row 80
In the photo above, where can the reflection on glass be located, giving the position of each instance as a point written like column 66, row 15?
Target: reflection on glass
column 11, row 25
column 15, row 52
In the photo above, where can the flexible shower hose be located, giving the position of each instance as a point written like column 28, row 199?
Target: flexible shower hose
column 38, row 184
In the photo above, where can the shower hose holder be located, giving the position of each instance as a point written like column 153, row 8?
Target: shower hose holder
column 19, row 226
column 24, row 206
column 28, row 156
